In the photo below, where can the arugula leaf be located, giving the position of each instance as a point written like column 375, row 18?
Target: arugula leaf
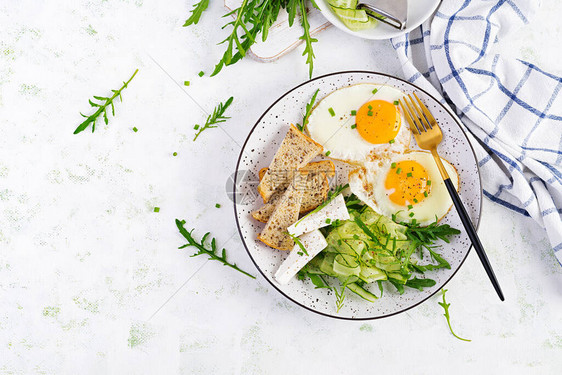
column 308, row 40
column 419, row 284
column 309, row 107
column 298, row 242
column 397, row 285
column 102, row 107
column 202, row 250
column 196, row 12
column 426, row 236
column 253, row 17
column 318, row 281
column 216, row 117
column 445, row 306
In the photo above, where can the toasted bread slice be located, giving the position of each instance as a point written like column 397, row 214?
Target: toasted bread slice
column 296, row 150
column 317, row 187
column 286, row 213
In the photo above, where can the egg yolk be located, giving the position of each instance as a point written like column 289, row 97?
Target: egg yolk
column 407, row 183
column 378, row 121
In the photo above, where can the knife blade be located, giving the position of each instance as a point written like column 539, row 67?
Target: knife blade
column 392, row 12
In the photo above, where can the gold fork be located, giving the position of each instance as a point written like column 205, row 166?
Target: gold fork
column 428, row 135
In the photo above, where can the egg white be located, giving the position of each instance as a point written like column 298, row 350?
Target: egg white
column 337, row 137
column 368, row 184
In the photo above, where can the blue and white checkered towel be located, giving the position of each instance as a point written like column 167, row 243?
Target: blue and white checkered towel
column 511, row 107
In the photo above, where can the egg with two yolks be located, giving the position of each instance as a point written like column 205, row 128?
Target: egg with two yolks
column 360, row 123
column 407, row 185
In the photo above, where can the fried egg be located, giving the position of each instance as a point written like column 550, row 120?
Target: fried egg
column 407, row 185
column 360, row 123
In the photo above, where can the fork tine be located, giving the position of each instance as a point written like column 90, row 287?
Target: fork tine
column 426, row 111
column 409, row 118
column 415, row 116
column 420, row 114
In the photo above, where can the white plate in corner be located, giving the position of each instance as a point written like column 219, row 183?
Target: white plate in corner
column 418, row 12
column 260, row 147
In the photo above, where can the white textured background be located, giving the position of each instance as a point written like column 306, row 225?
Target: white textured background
column 91, row 280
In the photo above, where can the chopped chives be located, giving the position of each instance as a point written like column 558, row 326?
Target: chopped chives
column 196, row 127
column 175, row 154
column 370, row 106
column 201, row 74
column 396, row 102
column 393, row 165
column 428, row 182
column 391, row 141
column 328, row 221
column 425, row 194
column 398, row 170
column 353, row 126
column 369, row 113
column 186, row 83
column 353, row 113
column 156, row 209
column 411, row 214
column 409, row 174
column 328, row 153
column 331, row 110
column 217, row 205
column 410, row 207
column 415, row 200
column 135, row 129
column 375, row 91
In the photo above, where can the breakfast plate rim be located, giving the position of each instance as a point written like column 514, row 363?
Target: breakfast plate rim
column 235, row 182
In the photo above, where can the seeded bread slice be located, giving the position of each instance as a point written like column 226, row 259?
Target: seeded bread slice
column 296, row 150
column 286, row 213
column 317, row 187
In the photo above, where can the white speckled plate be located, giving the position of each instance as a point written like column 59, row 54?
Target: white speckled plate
column 260, row 147
column 418, row 12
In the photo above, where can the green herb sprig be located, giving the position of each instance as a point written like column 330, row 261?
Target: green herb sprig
column 340, row 297
column 252, row 18
column 308, row 111
column 196, row 12
column 215, row 118
column 105, row 102
column 307, row 38
column 202, row 250
column 427, row 236
column 445, row 306
column 298, row 242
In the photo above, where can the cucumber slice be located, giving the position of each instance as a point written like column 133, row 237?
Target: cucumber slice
column 361, row 292
column 327, row 264
column 346, row 265
column 355, row 19
column 372, row 274
column 343, row 4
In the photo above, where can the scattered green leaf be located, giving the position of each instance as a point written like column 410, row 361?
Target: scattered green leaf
column 102, row 106
column 445, row 306
column 203, row 250
column 196, row 13
column 215, row 118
